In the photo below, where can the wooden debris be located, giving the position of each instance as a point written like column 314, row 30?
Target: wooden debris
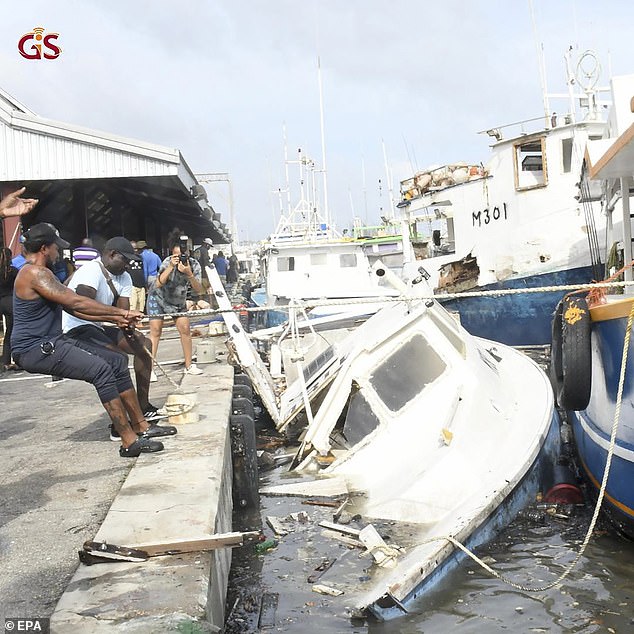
column 337, row 514
column 319, row 502
column 277, row 525
column 349, row 541
column 321, row 569
column 268, row 609
column 322, row 589
column 219, row 540
column 347, row 530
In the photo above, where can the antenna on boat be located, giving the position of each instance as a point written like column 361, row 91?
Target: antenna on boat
column 323, row 143
column 542, row 66
column 288, row 183
column 365, row 190
column 388, row 176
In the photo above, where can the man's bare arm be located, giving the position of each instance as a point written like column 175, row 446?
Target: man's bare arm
column 45, row 284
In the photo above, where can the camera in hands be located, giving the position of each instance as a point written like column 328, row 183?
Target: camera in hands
column 184, row 257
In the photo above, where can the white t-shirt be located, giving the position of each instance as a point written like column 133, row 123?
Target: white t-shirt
column 90, row 274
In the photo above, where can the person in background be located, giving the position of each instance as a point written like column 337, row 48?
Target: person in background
column 232, row 272
column 151, row 263
column 222, row 264
column 169, row 295
column 205, row 252
column 19, row 260
column 85, row 253
column 60, row 270
column 13, row 205
column 8, row 274
column 40, row 347
column 137, row 298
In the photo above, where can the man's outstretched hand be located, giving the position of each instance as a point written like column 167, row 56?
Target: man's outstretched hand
column 13, row 205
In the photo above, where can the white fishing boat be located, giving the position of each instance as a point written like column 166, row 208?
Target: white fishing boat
column 519, row 220
column 307, row 259
column 589, row 337
column 425, row 425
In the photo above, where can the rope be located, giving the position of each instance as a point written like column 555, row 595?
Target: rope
column 398, row 298
column 597, row 509
column 131, row 335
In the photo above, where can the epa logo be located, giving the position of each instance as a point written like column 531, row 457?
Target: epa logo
column 38, row 45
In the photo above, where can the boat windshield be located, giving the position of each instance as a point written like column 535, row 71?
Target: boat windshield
column 358, row 419
column 406, row 372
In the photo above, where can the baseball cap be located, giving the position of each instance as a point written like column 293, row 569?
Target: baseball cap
column 123, row 246
column 208, row 241
column 141, row 244
column 45, row 233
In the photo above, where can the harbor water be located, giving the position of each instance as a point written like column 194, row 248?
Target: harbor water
column 271, row 586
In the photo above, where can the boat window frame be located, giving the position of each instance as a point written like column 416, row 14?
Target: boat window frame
column 345, row 265
column 516, row 165
column 389, row 356
column 290, row 260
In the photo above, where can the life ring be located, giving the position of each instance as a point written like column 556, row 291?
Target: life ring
column 571, row 354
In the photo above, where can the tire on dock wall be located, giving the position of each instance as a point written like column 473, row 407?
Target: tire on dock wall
column 245, row 461
column 242, row 391
column 242, row 379
column 571, row 354
column 241, row 405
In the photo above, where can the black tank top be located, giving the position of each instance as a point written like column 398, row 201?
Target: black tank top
column 34, row 321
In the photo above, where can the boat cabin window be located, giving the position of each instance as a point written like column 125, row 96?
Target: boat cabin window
column 356, row 421
column 406, row 372
column 566, row 154
column 318, row 259
column 530, row 165
column 347, row 260
column 286, row 264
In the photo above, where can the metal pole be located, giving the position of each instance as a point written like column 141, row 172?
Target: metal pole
column 627, row 229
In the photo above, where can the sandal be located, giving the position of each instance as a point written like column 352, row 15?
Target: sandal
column 139, row 446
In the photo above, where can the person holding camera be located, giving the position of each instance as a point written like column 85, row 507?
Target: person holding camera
column 177, row 273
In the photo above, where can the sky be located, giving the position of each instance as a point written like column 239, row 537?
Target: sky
column 406, row 84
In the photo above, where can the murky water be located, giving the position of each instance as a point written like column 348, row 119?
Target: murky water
column 598, row 596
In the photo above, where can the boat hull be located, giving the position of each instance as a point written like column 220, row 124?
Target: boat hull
column 592, row 427
column 521, row 319
column 519, row 498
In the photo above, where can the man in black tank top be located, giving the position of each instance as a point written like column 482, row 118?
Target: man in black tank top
column 39, row 346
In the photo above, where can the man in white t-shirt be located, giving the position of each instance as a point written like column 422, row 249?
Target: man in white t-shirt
column 107, row 281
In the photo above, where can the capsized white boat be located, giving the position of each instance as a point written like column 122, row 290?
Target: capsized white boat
column 432, row 428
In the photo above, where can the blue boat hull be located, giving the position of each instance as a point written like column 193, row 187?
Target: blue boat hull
column 517, row 320
column 592, row 427
column 523, row 494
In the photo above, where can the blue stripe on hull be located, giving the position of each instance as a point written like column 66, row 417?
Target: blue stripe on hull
column 607, row 351
column 524, row 494
column 517, row 320
column 620, row 488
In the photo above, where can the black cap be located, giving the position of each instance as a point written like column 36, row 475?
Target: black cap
column 45, row 233
column 123, row 246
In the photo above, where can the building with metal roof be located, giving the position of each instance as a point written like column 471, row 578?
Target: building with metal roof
column 95, row 184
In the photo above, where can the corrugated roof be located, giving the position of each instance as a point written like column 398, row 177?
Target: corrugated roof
column 36, row 150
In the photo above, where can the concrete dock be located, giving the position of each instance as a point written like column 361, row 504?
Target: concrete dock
column 64, row 483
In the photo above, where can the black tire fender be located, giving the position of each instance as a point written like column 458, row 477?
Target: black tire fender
column 571, row 353
column 245, row 461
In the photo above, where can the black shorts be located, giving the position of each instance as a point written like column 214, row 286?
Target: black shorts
column 85, row 360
